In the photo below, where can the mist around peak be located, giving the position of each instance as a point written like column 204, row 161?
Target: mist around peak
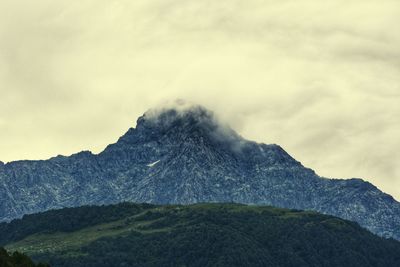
column 187, row 116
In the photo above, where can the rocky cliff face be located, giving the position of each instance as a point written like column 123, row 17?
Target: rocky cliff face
column 186, row 156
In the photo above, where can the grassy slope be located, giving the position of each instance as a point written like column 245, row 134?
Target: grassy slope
column 59, row 241
column 199, row 235
column 65, row 241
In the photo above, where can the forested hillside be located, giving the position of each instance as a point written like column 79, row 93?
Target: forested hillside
column 196, row 235
column 16, row 259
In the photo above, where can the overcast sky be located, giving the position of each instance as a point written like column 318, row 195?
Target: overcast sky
column 320, row 78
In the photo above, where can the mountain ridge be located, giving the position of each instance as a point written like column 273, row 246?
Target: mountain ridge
column 198, row 159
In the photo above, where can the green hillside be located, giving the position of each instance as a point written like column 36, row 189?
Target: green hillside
column 16, row 259
column 196, row 235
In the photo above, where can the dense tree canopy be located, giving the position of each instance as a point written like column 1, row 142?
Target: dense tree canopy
column 17, row 259
column 205, row 235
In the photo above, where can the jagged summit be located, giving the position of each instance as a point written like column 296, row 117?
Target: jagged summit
column 185, row 115
column 179, row 123
column 169, row 113
column 195, row 131
column 188, row 117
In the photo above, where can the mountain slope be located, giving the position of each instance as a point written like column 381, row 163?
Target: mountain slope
column 195, row 235
column 183, row 156
column 17, row 259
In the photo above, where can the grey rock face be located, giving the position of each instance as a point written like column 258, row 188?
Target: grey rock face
column 176, row 156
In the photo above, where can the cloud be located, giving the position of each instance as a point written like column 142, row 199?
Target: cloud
column 320, row 78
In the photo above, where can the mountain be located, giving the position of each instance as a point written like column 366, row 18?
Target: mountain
column 195, row 235
column 184, row 155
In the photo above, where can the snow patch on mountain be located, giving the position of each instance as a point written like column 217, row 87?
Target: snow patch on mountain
column 153, row 163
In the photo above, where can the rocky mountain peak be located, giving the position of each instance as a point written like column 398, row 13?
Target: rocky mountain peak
column 178, row 122
column 186, row 116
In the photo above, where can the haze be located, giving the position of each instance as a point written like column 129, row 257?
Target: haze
column 320, row 78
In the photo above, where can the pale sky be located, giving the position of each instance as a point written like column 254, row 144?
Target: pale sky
column 319, row 78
